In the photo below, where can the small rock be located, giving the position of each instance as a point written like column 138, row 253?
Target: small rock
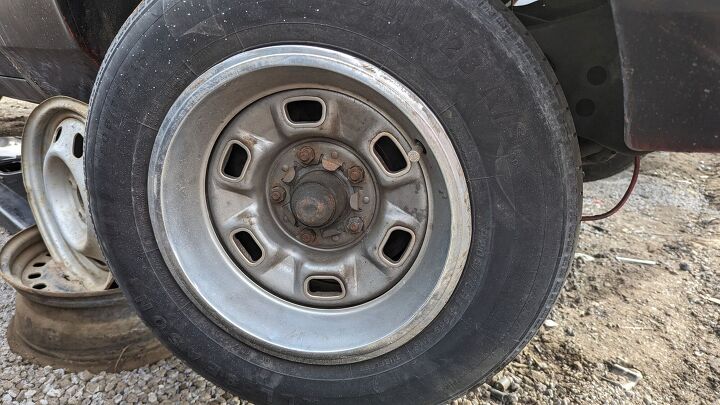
column 497, row 395
column 549, row 323
column 84, row 375
column 685, row 266
column 92, row 387
column 584, row 257
column 715, row 365
column 539, row 377
column 53, row 393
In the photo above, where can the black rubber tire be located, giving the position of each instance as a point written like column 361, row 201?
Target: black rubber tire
column 474, row 64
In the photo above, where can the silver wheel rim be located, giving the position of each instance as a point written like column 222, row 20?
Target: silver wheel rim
column 53, row 165
column 222, row 227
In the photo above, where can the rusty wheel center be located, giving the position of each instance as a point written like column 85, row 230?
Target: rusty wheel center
column 317, row 195
column 321, row 195
column 314, row 205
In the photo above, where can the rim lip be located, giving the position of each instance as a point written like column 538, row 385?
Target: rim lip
column 30, row 238
column 436, row 141
column 37, row 137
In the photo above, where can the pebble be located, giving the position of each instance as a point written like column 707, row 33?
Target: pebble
column 549, row 323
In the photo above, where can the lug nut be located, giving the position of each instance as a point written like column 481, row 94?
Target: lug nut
column 356, row 174
column 277, row 194
column 307, row 236
column 355, row 225
column 306, row 155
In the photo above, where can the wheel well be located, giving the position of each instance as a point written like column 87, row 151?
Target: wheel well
column 578, row 37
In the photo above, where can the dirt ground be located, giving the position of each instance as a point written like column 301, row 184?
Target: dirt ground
column 661, row 320
column 616, row 320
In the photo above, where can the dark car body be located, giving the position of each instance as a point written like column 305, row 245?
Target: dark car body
column 668, row 53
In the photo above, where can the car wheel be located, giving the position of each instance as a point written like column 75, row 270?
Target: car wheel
column 338, row 201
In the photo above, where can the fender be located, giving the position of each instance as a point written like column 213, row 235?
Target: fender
column 55, row 47
column 670, row 58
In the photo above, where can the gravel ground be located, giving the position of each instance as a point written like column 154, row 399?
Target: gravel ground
column 658, row 321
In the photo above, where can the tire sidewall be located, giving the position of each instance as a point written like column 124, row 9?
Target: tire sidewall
column 488, row 86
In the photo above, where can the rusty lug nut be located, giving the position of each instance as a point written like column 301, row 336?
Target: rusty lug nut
column 306, row 155
column 356, row 174
column 307, row 236
column 355, row 225
column 277, row 194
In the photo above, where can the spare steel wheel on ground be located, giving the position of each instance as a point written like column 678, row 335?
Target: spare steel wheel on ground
column 56, row 325
column 69, row 312
column 54, row 175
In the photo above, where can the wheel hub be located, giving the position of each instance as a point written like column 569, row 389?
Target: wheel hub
column 314, row 204
column 329, row 204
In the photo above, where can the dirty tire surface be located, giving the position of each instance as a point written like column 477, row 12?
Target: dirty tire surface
column 502, row 109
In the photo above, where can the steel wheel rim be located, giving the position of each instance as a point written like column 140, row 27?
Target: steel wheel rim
column 223, row 285
column 54, row 176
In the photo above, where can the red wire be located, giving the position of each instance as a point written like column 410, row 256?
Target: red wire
column 628, row 193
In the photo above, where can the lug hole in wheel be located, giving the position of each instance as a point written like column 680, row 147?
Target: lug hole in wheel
column 57, row 134
column 39, row 286
column 249, row 246
column 236, row 161
column 308, row 111
column 39, row 264
column 33, row 276
column 325, row 287
column 397, row 245
column 390, row 154
column 78, row 146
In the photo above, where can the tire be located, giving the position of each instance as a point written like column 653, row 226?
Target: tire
column 501, row 107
